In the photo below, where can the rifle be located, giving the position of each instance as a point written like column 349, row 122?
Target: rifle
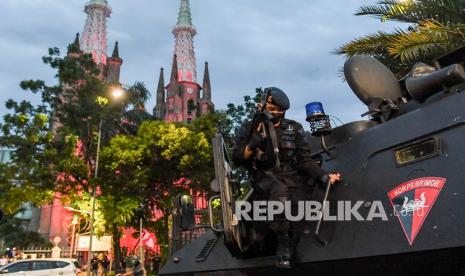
column 263, row 123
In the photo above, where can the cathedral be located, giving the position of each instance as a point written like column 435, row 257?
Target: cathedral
column 55, row 219
column 183, row 98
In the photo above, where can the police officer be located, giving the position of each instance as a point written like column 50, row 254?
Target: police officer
column 279, row 163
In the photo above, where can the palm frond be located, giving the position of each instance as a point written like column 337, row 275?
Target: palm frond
column 139, row 94
column 373, row 44
column 436, row 27
column 429, row 40
column 444, row 11
column 386, row 10
column 456, row 34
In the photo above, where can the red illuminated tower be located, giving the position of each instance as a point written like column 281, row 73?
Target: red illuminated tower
column 94, row 37
column 94, row 40
column 182, row 99
column 55, row 219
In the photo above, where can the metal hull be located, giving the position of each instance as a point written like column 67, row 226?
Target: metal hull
column 368, row 164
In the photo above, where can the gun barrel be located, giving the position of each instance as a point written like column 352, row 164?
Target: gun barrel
column 424, row 87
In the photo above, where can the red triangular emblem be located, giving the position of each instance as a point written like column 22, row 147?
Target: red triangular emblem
column 412, row 202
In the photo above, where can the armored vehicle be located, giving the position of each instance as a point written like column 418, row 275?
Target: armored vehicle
column 407, row 159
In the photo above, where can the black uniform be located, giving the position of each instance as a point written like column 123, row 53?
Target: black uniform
column 297, row 169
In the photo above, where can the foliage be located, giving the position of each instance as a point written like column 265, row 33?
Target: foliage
column 142, row 173
column 144, row 163
column 26, row 177
column 434, row 27
column 212, row 123
column 14, row 235
column 239, row 114
column 138, row 95
column 129, row 122
column 55, row 144
column 235, row 116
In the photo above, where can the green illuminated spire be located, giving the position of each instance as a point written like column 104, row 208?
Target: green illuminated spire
column 184, row 17
column 98, row 2
column 184, row 33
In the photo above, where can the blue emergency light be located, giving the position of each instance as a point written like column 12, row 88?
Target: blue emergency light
column 319, row 121
column 314, row 109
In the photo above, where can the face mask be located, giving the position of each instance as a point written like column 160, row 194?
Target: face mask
column 277, row 116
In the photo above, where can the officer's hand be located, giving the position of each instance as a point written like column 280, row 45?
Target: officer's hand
column 334, row 178
column 255, row 139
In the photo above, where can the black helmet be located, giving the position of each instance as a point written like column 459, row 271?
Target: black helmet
column 277, row 97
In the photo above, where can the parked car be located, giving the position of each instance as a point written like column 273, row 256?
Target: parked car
column 40, row 267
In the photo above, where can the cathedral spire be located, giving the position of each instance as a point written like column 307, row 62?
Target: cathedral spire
column 184, row 33
column 206, row 84
column 161, row 87
column 76, row 43
column 75, row 47
column 115, row 51
column 174, row 71
column 94, row 37
column 114, row 65
column 158, row 111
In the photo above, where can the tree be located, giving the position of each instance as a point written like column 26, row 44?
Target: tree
column 228, row 122
column 131, row 120
column 433, row 27
column 238, row 114
column 14, row 235
column 55, row 142
column 161, row 161
column 60, row 134
column 212, row 123
column 26, row 177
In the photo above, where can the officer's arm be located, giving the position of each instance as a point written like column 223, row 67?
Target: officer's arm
column 242, row 153
column 306, row 165
column 248, row 153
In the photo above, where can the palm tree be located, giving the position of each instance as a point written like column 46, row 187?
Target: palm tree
column 132, row 114
column 434, row 27
column 131, row 120
column 138, row 95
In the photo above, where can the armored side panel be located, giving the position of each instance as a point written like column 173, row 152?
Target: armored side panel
column 386, row 166
column 228, row 191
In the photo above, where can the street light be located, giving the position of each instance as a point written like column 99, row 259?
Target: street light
column 76, row 210
column 73, row 235
column 116, row 93
column 74, row 222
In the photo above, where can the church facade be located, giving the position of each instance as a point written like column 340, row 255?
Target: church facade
column 183, row 99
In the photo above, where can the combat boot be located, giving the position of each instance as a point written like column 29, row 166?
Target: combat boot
column 284, row 252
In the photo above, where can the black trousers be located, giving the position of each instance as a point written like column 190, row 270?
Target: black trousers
column 284, row 187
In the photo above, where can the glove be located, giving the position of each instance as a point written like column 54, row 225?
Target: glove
column 333, row 177
column 255, row 140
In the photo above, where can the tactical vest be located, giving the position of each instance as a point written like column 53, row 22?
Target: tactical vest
column 287, row 143
column 286, row 135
